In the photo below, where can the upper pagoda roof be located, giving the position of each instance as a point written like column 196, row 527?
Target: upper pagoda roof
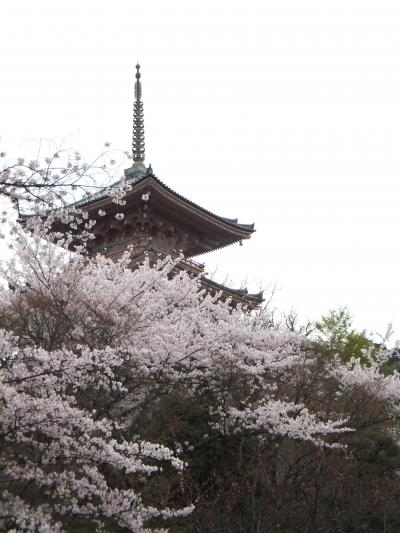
column 148, row 178
column 213, row 231
column 138, row 177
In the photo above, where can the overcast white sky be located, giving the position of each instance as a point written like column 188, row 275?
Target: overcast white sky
column 284, row 113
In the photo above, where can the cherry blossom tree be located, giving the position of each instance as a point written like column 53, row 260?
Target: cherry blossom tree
column 91, row 351
column 131, row 398
column 60, row 458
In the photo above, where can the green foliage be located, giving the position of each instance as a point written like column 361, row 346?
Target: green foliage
column 334, row 328
column 336, row 333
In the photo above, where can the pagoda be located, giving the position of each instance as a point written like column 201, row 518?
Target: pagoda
column 158, row 222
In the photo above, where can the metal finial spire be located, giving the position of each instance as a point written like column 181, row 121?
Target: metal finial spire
column 138, row 122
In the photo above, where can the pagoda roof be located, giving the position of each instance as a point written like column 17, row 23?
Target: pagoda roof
column 150, row 179
column 177, row 222
column 240, row 294
column 213, row 231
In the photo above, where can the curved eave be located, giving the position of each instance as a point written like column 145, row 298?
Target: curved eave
column 248, row 228
column 236, row 293
column 98, row 200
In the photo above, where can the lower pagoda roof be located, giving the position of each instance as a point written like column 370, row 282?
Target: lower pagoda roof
column 238, row 295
